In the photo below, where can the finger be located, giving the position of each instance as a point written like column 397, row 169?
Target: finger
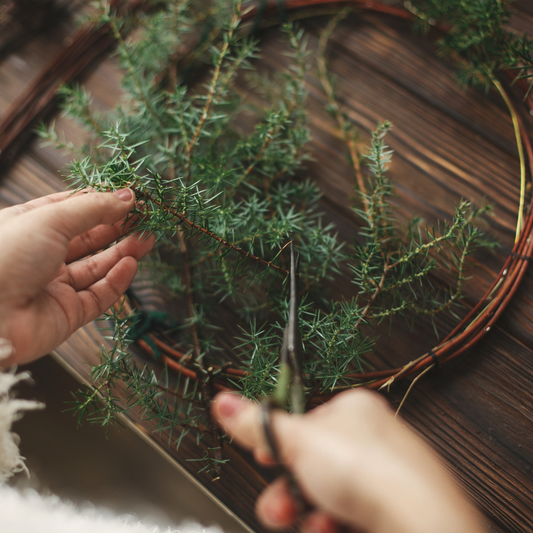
column 95, row 239
column 100, row 296
column 19, row 209
column 275, row 507
column 39, row 240
column 264, row 458
column 302, row 445
column 241, row 419
column 84, row 273
column 99, row 237
column 79, row 214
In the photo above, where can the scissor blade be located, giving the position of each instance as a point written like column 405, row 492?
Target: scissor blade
column 294, row 341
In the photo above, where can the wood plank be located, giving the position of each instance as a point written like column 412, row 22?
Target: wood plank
column 477, row 413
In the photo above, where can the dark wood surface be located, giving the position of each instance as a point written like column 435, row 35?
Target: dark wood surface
column 449, row 143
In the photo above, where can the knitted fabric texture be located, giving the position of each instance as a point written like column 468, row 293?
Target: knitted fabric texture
column 11, row 409
column 29, row 512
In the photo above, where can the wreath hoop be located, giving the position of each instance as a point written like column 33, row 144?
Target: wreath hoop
column 90, row 42
column 479, row 321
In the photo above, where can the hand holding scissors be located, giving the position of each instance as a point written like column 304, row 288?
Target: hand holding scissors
column 348, row 461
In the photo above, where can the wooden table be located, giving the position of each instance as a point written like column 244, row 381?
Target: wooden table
column 449, row 143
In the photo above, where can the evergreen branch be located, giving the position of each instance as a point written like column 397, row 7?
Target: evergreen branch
column 371, row 301
column 190, row 301
column 377, row 211
column 211, row 254
column 269, row 136
column 202, row 137
column 213, row 85
column 466, row 250
column 277, row 125
column 190, row 224
column 173, row 392
column 77, row 103
column 434, row 242
column 109, row 19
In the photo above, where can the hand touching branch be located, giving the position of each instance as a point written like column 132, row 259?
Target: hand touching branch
column 50, row 283
column 356, row 464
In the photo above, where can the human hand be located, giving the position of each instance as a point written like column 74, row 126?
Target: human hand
column 355, row 463
column 50, row 284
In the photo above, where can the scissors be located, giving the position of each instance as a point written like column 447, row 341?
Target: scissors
column 290, row 384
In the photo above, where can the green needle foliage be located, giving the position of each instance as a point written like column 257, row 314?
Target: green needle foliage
column 217, row 182
column 476, row 32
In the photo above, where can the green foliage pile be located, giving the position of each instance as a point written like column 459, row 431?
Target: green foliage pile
column 225, row 199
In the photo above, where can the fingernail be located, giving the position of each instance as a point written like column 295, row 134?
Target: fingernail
column 229, row 404
column 124, row 194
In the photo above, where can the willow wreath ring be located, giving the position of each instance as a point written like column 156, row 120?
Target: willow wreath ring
column 479, row 321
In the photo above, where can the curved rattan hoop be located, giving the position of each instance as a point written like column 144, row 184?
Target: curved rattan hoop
column 89, row 42
column 473, row 327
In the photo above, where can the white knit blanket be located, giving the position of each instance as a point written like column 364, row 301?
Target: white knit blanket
column 29, row 512
column 10, row 410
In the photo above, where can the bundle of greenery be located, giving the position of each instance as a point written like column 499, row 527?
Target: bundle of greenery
column 220, row 183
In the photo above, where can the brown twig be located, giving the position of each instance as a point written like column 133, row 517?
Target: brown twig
column 344, row 127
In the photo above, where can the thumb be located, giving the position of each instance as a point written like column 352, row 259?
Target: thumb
column 241, row 419
column 77, row 214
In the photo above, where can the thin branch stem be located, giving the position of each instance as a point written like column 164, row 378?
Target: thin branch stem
column 213, row 84
column 273, row 132
column 332, row 99
column 190, row 301
column 516, row 128
column 192, row 225
column 131, row 69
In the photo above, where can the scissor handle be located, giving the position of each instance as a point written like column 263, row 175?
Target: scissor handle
column 267, row 405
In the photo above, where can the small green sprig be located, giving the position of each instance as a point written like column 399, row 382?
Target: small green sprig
column 478, row 33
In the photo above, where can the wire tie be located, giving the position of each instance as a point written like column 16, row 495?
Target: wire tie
column 520, row 256
column 433, row 356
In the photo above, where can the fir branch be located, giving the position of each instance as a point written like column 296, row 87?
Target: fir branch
column 220, row 56
column 191, row 225
column 276, row 123
column 478, row 34
column 108, row 18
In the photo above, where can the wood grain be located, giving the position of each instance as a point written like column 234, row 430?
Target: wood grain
column 449, row 143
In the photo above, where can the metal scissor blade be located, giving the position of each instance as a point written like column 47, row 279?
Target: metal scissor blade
column 293, row 338
column 294, row 342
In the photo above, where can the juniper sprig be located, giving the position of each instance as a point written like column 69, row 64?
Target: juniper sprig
column 477, row 31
